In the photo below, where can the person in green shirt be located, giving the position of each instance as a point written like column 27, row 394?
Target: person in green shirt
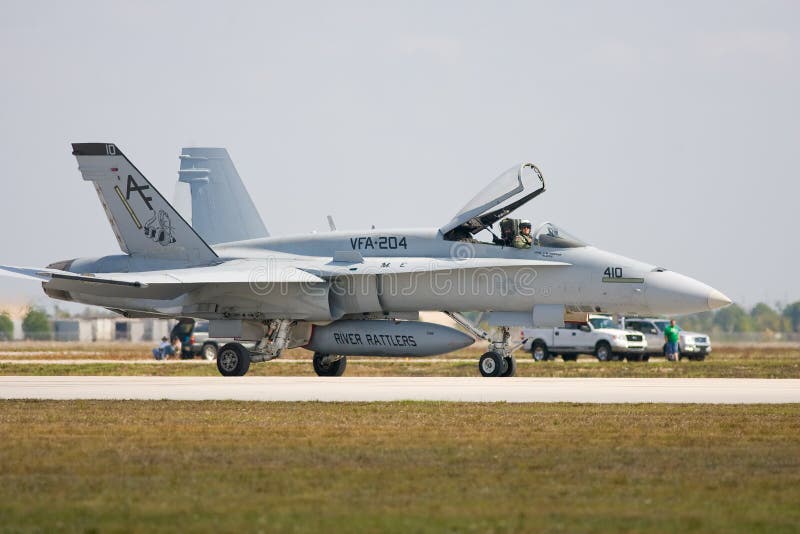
column 523, row 239
column 671, row 336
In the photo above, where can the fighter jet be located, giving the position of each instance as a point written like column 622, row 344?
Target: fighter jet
column 354, row 292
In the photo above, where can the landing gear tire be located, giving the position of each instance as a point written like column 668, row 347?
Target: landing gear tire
column 492, row 364
column 209, row 351
column 334, row 368
column 603, row 351
column 233, row 360
column 539, row 351
column 511, row 366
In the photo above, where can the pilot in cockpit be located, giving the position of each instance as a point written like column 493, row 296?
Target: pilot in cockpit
column 507, row 233
column 523, row 239
column 514, row 233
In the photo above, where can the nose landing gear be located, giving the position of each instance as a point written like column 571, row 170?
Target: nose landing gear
column 499, row 361
column 495, row 364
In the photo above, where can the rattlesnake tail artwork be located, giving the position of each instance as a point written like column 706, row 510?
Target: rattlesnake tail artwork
column 164, row 235
column 159, row 228
column 150, row 227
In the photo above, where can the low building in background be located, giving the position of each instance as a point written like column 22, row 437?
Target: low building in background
column 110, row 329
column 18, row 333
column 72, row 330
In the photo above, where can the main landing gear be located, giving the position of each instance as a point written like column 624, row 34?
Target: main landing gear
column 234, row 359
column 499, row 360
column 329, row 364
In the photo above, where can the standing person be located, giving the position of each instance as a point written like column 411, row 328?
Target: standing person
column 671, row 336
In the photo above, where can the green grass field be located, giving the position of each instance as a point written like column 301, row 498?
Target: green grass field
column 766, row 368
column 21, row 350
column 725, row 362
column 398, row 467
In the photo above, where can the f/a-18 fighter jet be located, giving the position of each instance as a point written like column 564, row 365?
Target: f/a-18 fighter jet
column 354, row 293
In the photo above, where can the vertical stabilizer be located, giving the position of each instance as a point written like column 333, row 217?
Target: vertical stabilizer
column 222, row 210
column 143, row 221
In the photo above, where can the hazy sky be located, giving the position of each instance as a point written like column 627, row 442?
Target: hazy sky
column 666, row 131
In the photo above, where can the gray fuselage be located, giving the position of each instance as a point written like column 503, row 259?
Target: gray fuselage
column 392, row 271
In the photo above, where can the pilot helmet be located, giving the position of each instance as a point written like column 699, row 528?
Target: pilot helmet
column 525, row 223
column 506, row 224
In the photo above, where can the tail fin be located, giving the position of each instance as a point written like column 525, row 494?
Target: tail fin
column 143, row 221
column 222, row 210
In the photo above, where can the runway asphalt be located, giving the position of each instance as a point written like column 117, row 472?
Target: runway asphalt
column 359, row 389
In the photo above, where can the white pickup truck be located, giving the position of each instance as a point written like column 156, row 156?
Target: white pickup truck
column 692, row 345
column 591, row 334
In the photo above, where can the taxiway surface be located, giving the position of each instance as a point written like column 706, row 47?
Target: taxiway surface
column 359, row 389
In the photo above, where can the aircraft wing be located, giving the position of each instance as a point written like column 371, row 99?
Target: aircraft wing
column 165, row 284
column 28, row 273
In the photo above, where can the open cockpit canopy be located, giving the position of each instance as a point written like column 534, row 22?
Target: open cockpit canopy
column 504, row 194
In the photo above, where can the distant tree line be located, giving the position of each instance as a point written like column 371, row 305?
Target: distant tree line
column 6, row 327
column 36, row 325
column 735, row 319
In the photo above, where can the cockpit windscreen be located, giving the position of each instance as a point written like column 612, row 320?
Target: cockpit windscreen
column 548, row 234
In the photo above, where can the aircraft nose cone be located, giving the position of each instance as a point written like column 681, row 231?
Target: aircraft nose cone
column 717, row 300
column 670, row 293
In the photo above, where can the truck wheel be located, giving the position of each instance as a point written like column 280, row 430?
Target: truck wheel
column 492, row 364
column 209, row 351
column 698, row 357
column 634, row 357
column 511, row 366
column 539, row 351
column 334, row 368
column 603, row 351
column 233, row 360
column 645, row 357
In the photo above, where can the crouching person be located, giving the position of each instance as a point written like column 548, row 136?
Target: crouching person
column 163, row 350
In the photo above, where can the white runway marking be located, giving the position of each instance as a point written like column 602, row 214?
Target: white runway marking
column 594, row 390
